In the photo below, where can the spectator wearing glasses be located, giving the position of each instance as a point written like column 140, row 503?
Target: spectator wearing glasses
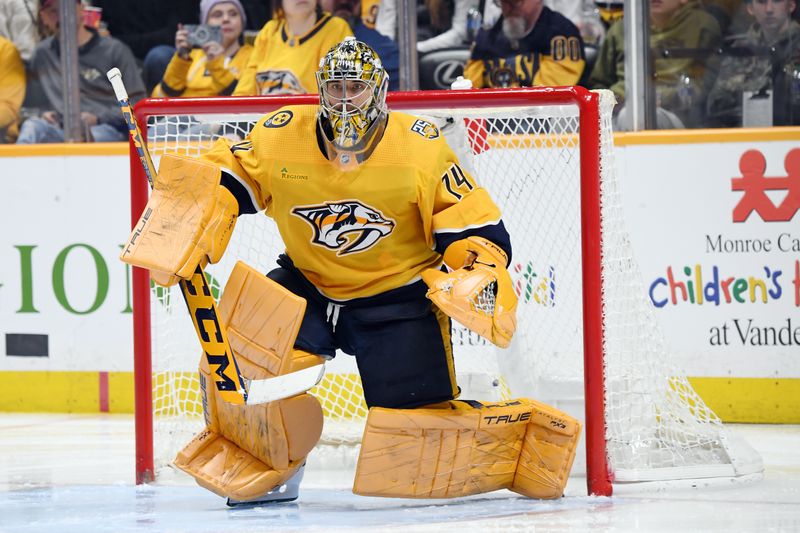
column 760, row 71
column 529, row 45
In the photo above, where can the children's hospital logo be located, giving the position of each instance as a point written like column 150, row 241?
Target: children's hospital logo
column 755, row 185
column 751, row 268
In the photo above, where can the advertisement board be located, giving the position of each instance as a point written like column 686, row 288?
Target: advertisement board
column 713, row 220
column 717, row 234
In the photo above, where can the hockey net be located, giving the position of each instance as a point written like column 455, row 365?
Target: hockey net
column 587, row 340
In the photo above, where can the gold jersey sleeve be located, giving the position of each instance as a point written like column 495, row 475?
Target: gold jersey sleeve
column 362, row 232
column 283, row 63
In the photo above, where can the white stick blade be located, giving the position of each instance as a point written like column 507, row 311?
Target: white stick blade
column 279, row 387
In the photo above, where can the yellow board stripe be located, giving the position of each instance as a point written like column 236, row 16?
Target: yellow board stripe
column 64, row 392
column 654, row 137
column 721, row 135
column 751, row 400
column 741, row 400
column 707, row 136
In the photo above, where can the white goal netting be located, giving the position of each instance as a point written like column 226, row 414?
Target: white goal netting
column 656, row 427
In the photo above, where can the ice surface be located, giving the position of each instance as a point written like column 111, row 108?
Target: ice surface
column 74, row 473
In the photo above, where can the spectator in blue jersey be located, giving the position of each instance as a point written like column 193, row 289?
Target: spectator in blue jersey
column 350, row 10
column 529, row 45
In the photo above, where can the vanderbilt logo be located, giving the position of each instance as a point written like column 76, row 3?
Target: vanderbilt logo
column 347, row 226
column 286, row 175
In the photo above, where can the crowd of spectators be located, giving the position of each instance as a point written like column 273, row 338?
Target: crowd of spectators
column 682, row 36
column 715, row 63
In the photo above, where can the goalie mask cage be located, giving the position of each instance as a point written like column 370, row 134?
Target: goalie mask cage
column 587, row 338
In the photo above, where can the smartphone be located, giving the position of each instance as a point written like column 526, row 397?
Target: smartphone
column 200, row 34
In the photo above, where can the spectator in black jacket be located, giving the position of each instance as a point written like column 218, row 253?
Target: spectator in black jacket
column 148, row 28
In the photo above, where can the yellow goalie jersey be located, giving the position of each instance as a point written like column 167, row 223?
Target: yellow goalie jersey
column 358, row 233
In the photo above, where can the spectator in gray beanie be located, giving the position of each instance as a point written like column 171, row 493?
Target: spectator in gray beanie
column 157, row 59
column 206, row 5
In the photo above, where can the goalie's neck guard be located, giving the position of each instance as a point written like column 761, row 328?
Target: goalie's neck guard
column 349, row 158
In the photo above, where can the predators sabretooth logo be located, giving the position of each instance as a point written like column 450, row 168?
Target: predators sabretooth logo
column 347, row 226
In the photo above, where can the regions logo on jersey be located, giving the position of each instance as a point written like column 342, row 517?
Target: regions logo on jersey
column 425, row 128
column 347, row 226
column 278, row 82
column 279, row 119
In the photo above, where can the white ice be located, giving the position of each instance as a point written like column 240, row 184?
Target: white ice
column 73, row 473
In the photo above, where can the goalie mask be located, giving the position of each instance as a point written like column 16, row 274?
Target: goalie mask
column 352, row 93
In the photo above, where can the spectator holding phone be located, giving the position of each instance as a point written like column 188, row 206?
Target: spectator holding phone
column 289, row 47
column 210, row 58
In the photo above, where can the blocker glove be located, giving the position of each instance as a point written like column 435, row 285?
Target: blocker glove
column 188, row 221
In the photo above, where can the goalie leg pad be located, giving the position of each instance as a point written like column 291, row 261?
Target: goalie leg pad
column 263, row 319
column 245, row 451
column 460, row 448
column 547, row 454
column 188, row 221
column 288, row 428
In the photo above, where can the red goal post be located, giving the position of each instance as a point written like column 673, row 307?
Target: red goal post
column 588, row 137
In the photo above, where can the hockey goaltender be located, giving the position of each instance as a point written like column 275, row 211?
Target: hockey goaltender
column 371, row 206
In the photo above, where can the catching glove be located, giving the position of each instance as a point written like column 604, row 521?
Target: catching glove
column 479, row 293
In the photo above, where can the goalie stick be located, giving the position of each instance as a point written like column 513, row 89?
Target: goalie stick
column 228, row 379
